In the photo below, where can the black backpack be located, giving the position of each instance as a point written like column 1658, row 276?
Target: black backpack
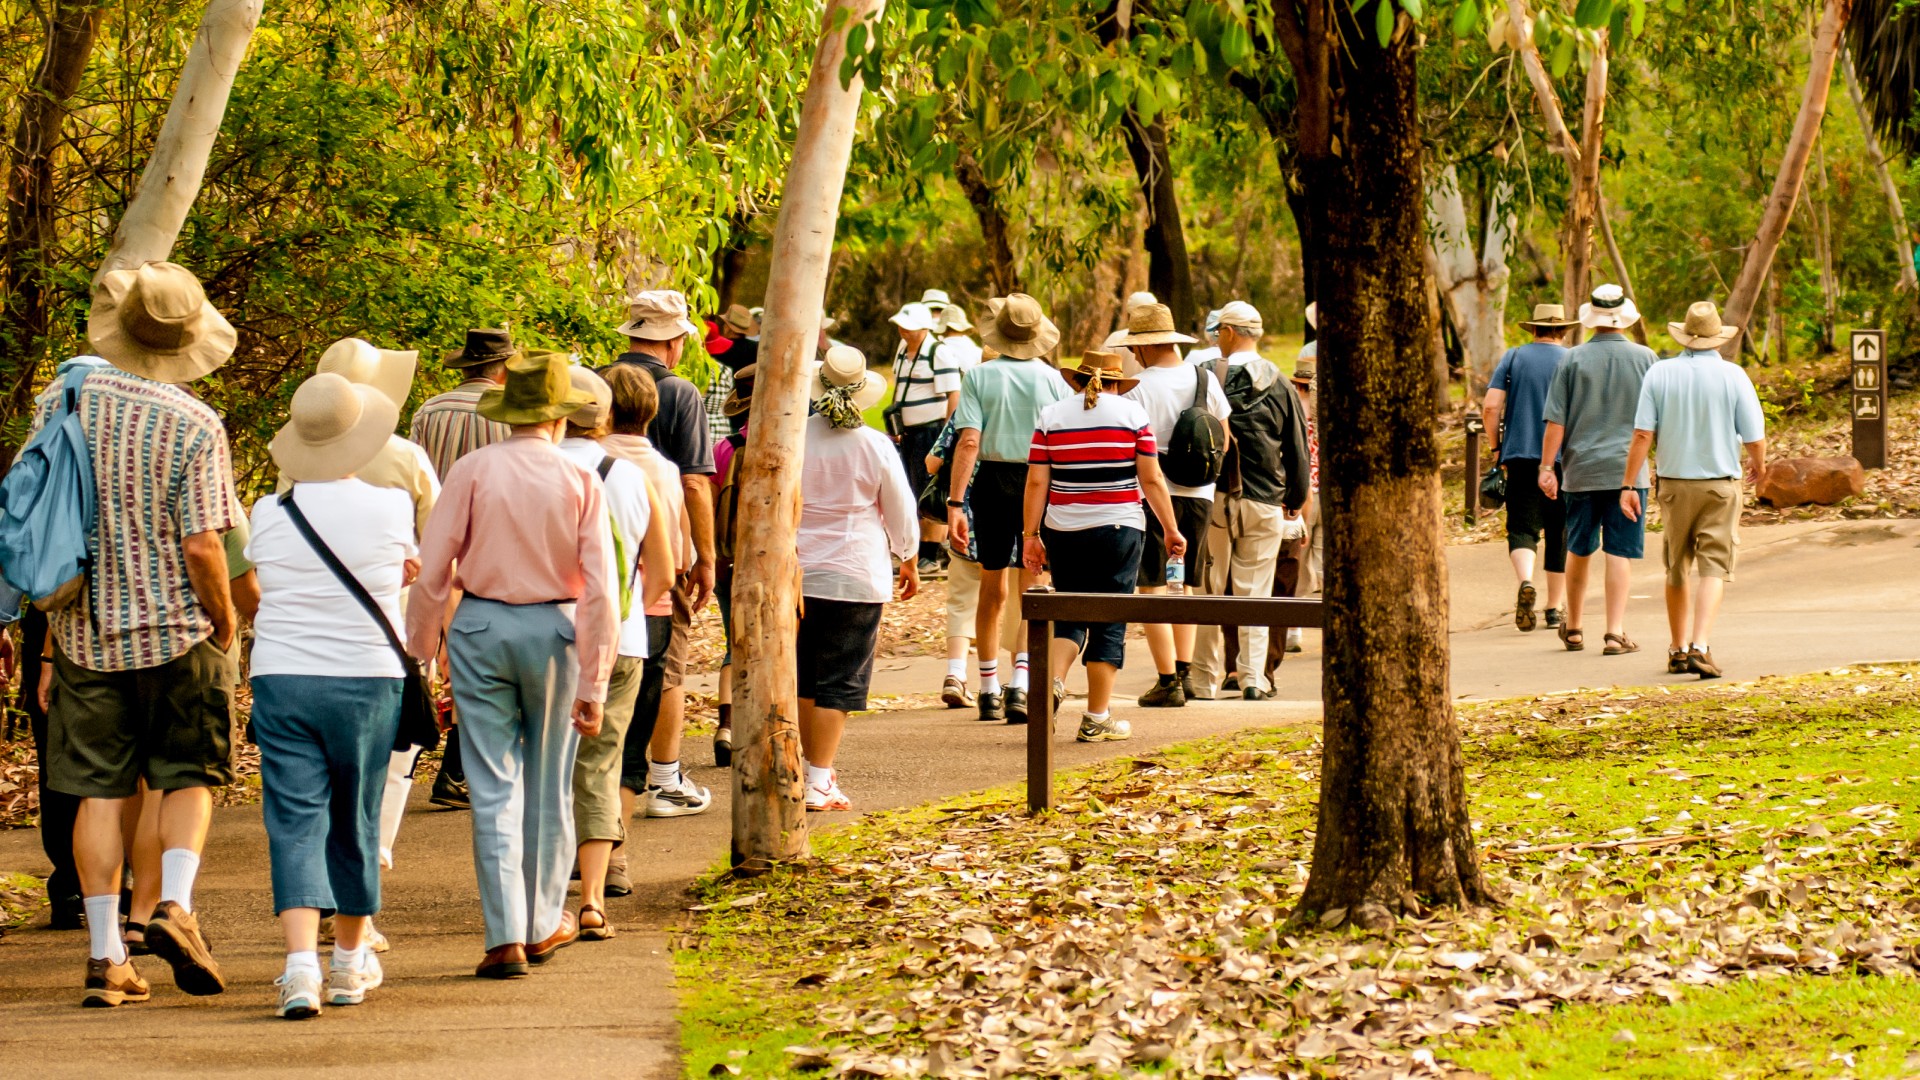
column 1197, row 447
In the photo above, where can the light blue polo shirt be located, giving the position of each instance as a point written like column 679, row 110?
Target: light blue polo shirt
column 1002, row 399
column 1701, row 410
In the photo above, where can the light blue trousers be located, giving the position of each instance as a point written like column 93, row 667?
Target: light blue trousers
column 513, row 682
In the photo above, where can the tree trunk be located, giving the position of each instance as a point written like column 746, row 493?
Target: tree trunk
column 1002, row 272
column 1169, row 274
column 731, row 260
column 1577, row 239
column 769, row 816
column 1393, row 824
column 27, row 312
column 1472, row 284
column 1793, row 170
column 1309, row 251
column 1639, row 329
column 153, row 219
column 1560, row 140
column 1823, row 250
column 1902, row 243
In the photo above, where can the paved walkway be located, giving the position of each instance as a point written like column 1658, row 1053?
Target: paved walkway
column 1810, row 597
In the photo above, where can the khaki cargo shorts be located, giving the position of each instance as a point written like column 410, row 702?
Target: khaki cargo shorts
column 1701, row 520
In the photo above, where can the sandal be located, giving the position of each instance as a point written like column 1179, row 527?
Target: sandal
column 1572, row 637
column 1524, row 615
column 593, row 923
column 136, row 946
column 1677, row 662
column 1618, row 645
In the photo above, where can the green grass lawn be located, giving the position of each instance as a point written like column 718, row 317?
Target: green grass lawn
column 1705, row 861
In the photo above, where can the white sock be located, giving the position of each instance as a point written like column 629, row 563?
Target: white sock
column 103, row 928
column 818, row 777
column 1100, row 716
column 305, row 963
column 957, row 669
column 1701, row 645
column 178, row 866
column 663, row 776
column 1020, row 672
column 348, row 959
column 989, row 676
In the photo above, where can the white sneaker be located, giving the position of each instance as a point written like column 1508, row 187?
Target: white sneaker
column 829, row 797
column 1111, row 729
column 683, row 799
column 1296, row 640
column 299, row 995
column 349, row 986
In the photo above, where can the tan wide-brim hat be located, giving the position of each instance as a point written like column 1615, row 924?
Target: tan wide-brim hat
column 658, row 315
column 845, row 367
column 1109, row 366
column 362, row 364
column 538, row 389
column 334, row 428
column 1019, row 330
column 592, row 415
column 740, row 399
column 155, row 322
column 1152, row 324
column 738, row 319
column 1703, row 328
column 1549, row 317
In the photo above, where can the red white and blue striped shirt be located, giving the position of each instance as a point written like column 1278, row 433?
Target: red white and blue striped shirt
column 1093, row 460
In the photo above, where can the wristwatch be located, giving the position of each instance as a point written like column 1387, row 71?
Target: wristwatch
column 956, row 503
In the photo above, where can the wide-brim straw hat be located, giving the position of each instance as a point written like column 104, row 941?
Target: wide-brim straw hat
column 658, row 315
column 1304, row 370
column 1019, row 330
column 1609, row 309
column 1549, row 317
column 596, row 412
column 1109, row 366
column 155, row 322
column 738, row 319
column 1703, row 328
column 845, row 368
column 334, row 428
column 740, row 399
column 1151, row 324
column 484, row 346
column 362, row 364
column 538, row 389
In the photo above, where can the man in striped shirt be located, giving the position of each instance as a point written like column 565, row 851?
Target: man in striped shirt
column 447, row 426
column 926, row 389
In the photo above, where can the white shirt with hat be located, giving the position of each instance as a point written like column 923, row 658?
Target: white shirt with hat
column 308, row 623
column 856, row 513
column 1167, row 391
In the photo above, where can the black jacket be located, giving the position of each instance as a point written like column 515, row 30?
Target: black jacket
column 1269, row 460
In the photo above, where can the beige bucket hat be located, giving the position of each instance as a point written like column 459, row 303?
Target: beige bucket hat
column 1703, row 328
column 738, row 319
column 1549, row 317
column 594, row 413
column 845, row 368
column 1019, row 330
column 953, row 320
column 334, row 428
column 538, row 389
column 385, row 370
column 1152, row 324
column 155, row 322
column 935, row 299
column 658, row 315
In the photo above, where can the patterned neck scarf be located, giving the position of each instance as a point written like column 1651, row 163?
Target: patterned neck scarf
column 838, row 407
column 1093, row 387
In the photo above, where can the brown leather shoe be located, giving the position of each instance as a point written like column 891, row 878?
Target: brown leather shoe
column 110, row 984
column 174, row 936
column 506, row 962
column 568, row 933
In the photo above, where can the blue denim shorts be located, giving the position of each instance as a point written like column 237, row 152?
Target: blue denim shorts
column 1595, row 521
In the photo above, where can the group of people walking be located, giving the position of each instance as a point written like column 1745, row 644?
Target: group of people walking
column 1576, row 427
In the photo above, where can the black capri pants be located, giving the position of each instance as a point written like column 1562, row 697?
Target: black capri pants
column 1530, row 514
column 1100, row 560
column 834, row 655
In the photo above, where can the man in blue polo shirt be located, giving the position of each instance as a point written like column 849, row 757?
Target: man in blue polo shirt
column 1517, row 393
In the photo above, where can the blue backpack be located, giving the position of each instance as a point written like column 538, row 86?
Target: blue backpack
column 47, row 507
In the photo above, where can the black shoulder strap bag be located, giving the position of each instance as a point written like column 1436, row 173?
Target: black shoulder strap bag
column 418, row 725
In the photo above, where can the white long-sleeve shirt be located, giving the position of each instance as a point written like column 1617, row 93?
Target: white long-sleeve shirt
column 856, row 510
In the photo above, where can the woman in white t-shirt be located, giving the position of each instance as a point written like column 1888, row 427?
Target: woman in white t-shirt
column 1093, row 458
column 327, row 683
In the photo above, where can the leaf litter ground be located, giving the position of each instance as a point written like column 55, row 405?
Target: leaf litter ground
column 1649, row 845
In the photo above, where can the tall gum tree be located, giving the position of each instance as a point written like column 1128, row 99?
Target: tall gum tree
column 1393, row 833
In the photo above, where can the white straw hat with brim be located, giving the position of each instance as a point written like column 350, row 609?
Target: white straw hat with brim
column 1151, row 324
column 913, row 316
column 658, row 315
column 595, row 413
column 1313, row 315
column 935, row 299
column 362, row 364
column 1549, row 317
column 845, row 368
column 334, row 428
column 155, row 322
column 1703, row 328
column 953, row 320
column 1019, row 330
column 1241, row 315
column 1609, row 309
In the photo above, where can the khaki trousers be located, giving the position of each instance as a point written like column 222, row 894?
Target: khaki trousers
column 1243, row 546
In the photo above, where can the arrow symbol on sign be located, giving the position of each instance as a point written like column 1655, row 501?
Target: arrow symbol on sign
column 1866, row 348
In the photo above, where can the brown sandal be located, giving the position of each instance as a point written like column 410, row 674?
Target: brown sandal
column 1572, row 637
column 1618, row 645
column 593, row 923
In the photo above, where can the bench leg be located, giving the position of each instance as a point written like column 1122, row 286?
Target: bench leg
column 1039, row 716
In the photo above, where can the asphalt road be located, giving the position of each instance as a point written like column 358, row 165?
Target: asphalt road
column 1809, row 597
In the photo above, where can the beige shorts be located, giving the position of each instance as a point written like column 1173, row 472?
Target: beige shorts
column 1701, row 522
column 963, row 603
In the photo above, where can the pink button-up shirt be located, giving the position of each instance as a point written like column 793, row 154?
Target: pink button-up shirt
column 527, row 526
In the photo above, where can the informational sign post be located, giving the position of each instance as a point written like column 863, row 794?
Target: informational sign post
column 1868, row 388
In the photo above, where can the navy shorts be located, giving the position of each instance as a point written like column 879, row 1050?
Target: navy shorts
column 1595, row 522
column 833, row 655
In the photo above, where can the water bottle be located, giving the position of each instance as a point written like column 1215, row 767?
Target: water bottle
column 1176, row 576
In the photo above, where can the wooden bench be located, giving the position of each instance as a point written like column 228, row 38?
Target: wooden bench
column 1044, row 607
